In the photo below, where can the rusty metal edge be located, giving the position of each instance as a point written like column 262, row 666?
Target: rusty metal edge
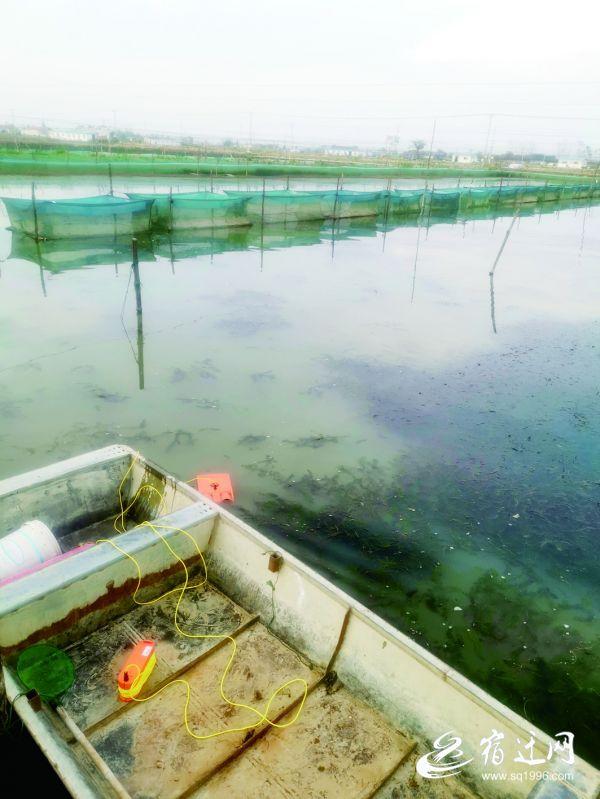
column 111, row 597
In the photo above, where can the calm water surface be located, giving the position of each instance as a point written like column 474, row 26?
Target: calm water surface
column 428, row 444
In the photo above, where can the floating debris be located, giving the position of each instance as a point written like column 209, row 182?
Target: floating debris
column 313, row 442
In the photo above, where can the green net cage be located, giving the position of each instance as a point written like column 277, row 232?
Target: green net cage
column 274, row 206
column 196, row 210
column 138, row 214
column 347, row 204
column 104, row 215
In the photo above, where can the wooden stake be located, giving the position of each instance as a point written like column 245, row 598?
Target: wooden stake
column 139, row 312
column 262, row 225
column 431, row 145
column 337, row 193
column 35, row 215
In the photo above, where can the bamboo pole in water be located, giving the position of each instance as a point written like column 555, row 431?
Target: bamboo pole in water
column 431, row 144
column 139, row 312
column 262, row 223
column 35, row 215
column 493, row 269
column 337, row 194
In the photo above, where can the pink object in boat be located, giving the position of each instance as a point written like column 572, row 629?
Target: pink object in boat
column 39, row 566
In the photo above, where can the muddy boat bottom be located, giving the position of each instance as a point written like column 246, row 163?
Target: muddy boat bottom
column 338, row 747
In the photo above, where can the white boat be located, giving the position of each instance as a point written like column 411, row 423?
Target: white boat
column 376, row 703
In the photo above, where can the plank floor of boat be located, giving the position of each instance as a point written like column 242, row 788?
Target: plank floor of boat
column 339, row 746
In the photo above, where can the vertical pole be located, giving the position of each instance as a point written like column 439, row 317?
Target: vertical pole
column 110, row 180
column 262, row 206
column 335, row 202
column 431, row 144
column 211, row 181
column 41, row 265
column 139, row 312
column 492, row 303
column 171, row 209
column 497, row 202
column 171, row 254
column 429, row 214
column 262, row 224
column 487, row 137
column 335, row 207
column 35, row 215
column 287, row 185
column 386, row 213
column 388, row 200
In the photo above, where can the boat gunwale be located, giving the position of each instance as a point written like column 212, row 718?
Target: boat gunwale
column 433, row 663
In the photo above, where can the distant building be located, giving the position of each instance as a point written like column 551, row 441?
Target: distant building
column 570, row 165
column 464, row 159
column 70, row 135
column 161, row 141
column 38, row 132
column 338, row 149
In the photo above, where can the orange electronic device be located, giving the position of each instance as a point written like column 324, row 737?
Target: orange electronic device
column 138, row 666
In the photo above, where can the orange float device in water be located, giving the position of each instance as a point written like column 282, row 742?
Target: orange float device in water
column 138, row 666
column 217, row 487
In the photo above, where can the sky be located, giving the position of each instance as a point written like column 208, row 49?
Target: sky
column 518, row 74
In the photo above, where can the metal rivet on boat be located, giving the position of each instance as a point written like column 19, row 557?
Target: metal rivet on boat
column 275, row 561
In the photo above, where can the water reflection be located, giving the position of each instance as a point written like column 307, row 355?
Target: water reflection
column 64, row 254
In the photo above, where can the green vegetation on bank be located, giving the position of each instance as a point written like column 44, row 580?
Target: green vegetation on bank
column 80, row 162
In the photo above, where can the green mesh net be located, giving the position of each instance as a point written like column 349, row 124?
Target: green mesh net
column 347, row 204
column 87, row 216
column 285, row 206
column 196, row 210
column 47, row 670
column 137, row 214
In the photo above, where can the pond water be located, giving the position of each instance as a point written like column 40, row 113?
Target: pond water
column 422, row 435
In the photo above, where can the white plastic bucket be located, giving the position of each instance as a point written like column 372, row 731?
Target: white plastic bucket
column 32, row 544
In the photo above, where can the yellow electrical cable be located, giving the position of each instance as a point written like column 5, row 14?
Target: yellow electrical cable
column 262, row 715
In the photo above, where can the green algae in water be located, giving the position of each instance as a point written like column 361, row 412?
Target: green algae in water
column 496, row 626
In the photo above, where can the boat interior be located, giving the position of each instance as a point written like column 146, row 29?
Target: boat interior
column 268, row 679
